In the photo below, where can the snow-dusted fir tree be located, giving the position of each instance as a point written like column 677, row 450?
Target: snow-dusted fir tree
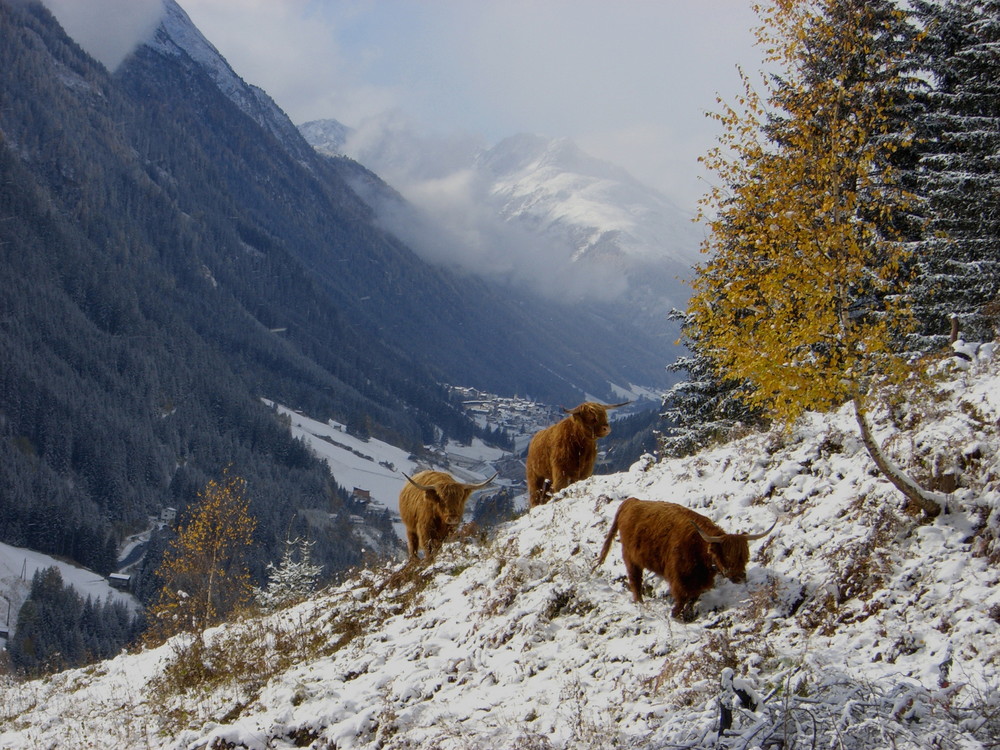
column 704, row 407
column 294, row 578
column 958, row 173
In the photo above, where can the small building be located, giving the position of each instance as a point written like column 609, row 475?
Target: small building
column 364, row 496
column 120, row 581
column 168, row 515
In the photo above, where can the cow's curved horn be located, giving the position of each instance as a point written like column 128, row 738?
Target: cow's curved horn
column 483, row 484
column 603, row 406
column 424, row 487
column 761, row 535
column 707, row 537
column 615, row 406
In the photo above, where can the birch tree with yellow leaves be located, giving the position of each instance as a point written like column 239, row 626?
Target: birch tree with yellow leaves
column 803, row 296
column 204, row 573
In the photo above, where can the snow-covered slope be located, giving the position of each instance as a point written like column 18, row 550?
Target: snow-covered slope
column 861, row 624
column 17, row 568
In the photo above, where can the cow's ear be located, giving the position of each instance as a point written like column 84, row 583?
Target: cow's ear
column 432, row 495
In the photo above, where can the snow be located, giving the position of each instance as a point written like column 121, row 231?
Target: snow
column 861, row 624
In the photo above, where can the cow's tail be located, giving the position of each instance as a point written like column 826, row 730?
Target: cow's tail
column 609, row 538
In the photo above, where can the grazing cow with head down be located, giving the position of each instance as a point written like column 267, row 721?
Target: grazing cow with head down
column 682, row 546
column 566, row 451
column 431, row 505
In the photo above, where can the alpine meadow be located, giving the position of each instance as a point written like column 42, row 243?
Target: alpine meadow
column 285, row 462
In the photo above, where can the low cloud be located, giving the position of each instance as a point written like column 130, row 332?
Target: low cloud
column 451, row 218
column 108, row 29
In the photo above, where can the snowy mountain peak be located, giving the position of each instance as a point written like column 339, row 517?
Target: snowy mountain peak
column 525, row 154
column 178, row 35
column 326, row 136
column 535, row 208
column 596, row 208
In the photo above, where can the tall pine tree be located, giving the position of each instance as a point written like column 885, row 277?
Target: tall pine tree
column 958, row 172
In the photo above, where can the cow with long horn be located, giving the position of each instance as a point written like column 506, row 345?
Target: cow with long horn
column 566, row 452
column 431, row 505
column 681, row 546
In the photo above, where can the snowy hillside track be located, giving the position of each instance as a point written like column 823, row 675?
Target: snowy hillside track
column 861, row 624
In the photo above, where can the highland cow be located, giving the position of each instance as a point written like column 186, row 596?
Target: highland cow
column 566, row 452
column 681, row 546
column 431, row 505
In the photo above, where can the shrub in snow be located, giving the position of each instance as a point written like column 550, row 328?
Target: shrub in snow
column 293, row 579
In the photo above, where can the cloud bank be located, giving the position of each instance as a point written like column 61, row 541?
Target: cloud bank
column 452, row 218
column 108, row 29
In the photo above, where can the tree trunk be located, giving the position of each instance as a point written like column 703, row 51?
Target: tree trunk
column 929, row 502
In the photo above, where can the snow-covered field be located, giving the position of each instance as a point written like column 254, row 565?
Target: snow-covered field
column 378, row 467
column 861, row 624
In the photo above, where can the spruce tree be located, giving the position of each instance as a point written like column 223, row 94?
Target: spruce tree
column 293, row 579
column 705, row 406
column 957, row 172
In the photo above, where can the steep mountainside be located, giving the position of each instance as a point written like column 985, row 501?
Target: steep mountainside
column 860, row 625
column 456, row 326
column 172, row 251
column 134, row 324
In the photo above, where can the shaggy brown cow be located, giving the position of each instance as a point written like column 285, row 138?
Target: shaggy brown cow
column 566, row 451
column 431, row 505
column 682, row 546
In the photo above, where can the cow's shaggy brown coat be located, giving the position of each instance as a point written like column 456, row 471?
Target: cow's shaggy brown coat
column 681, row 546
column 566, row 452
column 431, row 505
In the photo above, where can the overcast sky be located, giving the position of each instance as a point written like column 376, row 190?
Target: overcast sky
column 628, row 80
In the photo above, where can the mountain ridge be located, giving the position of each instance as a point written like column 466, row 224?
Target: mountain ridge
column 551, row 211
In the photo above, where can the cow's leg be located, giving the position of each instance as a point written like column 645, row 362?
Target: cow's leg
column 634, row 571
column 560, row 481
column 538, row 491
column 683, row 610
column 412, row 542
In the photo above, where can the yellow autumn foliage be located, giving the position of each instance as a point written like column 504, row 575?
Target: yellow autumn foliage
column 801, row 295
column 203, row 570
